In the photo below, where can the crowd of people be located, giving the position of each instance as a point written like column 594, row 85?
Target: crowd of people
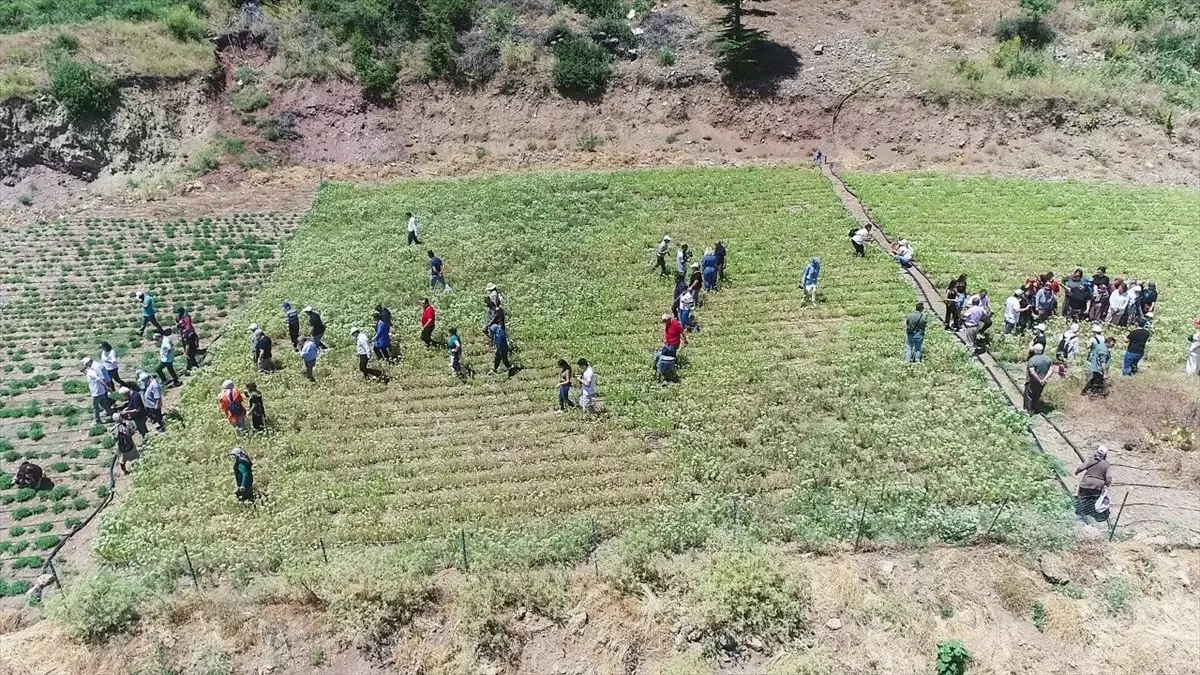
column 692, row 280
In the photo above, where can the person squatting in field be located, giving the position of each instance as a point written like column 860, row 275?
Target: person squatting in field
column 858, row 239
column 808, row 280
column 243, row 475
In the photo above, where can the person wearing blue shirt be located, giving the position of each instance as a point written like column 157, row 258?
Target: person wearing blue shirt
column 148, row 313
column 719, row 251
column 501, row 347
column 437, row 273
column 308, row 352
column 383, row 334
column 292, row 316
column 454, row 343
column 809, row 281
column 708, row 266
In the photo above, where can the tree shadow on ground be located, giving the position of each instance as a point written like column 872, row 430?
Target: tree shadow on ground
column 772, row 63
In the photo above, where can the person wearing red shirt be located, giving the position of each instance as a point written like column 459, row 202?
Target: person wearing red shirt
column 674, row 335
column 428, row 319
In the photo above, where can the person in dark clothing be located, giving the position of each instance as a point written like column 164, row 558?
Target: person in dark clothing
column 914, row 333
column 258, row 412
column 708, row 273
column 454, row 345
column 437, row 273
column 262, row 351
column 1100, row 278
column 189, row 337
column 29, row 475
column 316, row 327
column 956, row 295
column 719, row 251
column 383, row 314
column 565, row 378
column 428, row 321
column 123, row 435
column 1149, row 297
column 501, row 347
column 680, row 287
column 293, row 323
column 1097, row 476
column 1135, row 348
column 135, row 409
column 243, row 475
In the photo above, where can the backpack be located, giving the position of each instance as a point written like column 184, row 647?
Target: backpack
column 236, row 408
column 852, row 233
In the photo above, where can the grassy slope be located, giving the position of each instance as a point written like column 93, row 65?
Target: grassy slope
column 998, row 231
column 797, row 413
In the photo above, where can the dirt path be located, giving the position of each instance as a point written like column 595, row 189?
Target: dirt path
column 1153, row 507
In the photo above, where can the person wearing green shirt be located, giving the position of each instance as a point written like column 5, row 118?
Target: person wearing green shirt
column 1098, row 367
column 455, row 345
column 914, row 331
column 243, row 475
column 1037, row 372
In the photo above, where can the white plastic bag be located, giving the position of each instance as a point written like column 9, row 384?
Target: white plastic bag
column 1103, row 502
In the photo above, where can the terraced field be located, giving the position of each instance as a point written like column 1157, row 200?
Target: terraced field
column 67, row 286
column 790, row 420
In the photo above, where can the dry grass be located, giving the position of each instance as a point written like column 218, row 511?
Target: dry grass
column 126, row 49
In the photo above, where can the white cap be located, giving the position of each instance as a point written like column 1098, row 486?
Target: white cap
column 143, row 375
column 666, row 237
column 85, row 362
column 116, row 417
column 1018, row 293
column 1037, row 348
column 695, row 266
column 491, row 287
column 1097, row 328
column 904, row 242
column 1040, row 326
column 228, row 384
column 124, row 390
column 257, row 332
column 253, row 327
column 308, row 309
column 666, row 317
column 353, row 331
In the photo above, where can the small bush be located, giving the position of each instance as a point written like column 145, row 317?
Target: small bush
column 97, row 608
column 1033, row 32
column 1016, row 61
column 968, row 70
column 582, row 68
column 952, row 658
column 185, row 25
column 666, row 57
column 745, row 592
column 597, row 8
column 377, row 76
column 205, row 160
column 517, row 56
column 16, row 83
column 612, row 33
column 1116, row 594
column 249, row 100
column 64, row 43
column 590, row 141
column 82, row 88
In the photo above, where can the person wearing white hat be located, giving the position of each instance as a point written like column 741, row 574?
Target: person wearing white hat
column 316, row 327
column 1037, row 371
column 153, row 398
column 904, row 253
column 1098, row 363
column 243, row 475
column 493, row 293
column 660, row 255
column 148, row 312
column 135, row 409
column 231, row 403
column 98, row 388
column 1097, row 477
column 253, row 330
column 362, row 346
column 262, row 351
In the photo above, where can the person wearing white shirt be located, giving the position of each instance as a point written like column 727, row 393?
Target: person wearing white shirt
column 859, row 239
column 687, row 303
column 413, row 227
column 98, row 388
column 587, row 387
column 681, row 260
column 904, row 253
column 166, row 359
column 1117, row 302
column 661, row 254
column 111, row 364
column 153, row 398
column 362, row 345
column 1013, row 307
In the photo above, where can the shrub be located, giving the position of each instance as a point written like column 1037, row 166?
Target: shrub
column 517, row 56
column 82, row 88
column 968, row 70
column 952, row 658
column 185, row 25
column 1032, row 31
column 377, row 76
column 205, row 160
column 64, row 43
column 1015, row 61
column 582, row 68
column 597, row 8
column 16, row 83
column 97, row 608
column 43, row 543
column 1037, row 9
column 613, row 33
column 590, row 140
column 249, row 100
column 745, row 592
column 1116, row 594
column 666, row 57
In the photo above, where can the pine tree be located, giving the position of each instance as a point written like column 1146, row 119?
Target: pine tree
column 738, row 47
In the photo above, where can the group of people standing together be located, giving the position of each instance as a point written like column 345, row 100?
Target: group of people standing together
column 692, row 279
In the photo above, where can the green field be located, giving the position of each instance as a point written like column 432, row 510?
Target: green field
column 798, row 415
column 999, row 231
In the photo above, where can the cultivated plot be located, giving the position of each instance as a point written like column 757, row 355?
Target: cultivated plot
column 797, row 421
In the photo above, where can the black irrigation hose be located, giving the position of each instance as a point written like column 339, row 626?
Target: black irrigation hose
column 112, row 484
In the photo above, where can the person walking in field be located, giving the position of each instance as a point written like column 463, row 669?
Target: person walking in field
column 565, row 378
column 682, row 257
column 98, row 388
column 1135, row 348
column 231, row 403
column 660, row 255
column 1192, row 366
column 808, row 280
column 428, row 321
column 316, row 327
column 454, row 346
column 687, row 305
column 153, row 398
column 112, row 364
column 437, row 273
column 292, row 317
column 501, row 348
column 258, row 412
column 1037, row 372
column 135, row 409
column 1097, row 477
column 674, row 334
column 708, row 266
column 122, row 433
column 243, row 475
column 414, row 226
column 858, row 239
column 148, row 313
column 914, row 334
column 1098, row 364
column 190, row 338
column 262, row 351
column 362, row 346
column 587, row 387
column 381, row 342
column 166, row 359
column 722, row 254
column 308, row 354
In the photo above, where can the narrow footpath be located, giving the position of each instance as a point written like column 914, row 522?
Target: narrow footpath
column 1152, row 507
